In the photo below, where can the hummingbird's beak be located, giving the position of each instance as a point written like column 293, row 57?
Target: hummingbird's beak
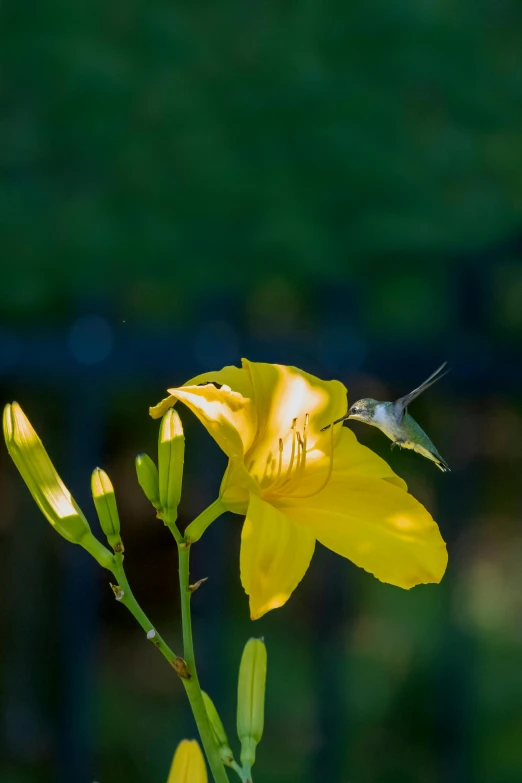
column 335, row 422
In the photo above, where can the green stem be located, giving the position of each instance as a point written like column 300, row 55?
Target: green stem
column 241, row 772
column 185, row 667
column 125, row 596
column 198, row 525
column 175, row 532
column 191, row 684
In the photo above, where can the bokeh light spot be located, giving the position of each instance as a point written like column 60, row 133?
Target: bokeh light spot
column 90, row 339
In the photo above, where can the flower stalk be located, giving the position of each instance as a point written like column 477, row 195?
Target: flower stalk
column 198, row 525
column 124, row 595
column 191, row 684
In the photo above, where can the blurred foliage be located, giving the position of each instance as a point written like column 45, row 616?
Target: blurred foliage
column 163, row 149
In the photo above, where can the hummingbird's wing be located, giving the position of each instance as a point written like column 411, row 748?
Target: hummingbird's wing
column 402, row 403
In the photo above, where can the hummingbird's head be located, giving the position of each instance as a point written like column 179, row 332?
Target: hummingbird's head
column 363, row 410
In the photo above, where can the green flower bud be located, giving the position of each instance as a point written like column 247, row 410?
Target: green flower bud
column 106, row 508
column 148, row 479
column 171, row 454
column 251, row 699
column 45, row 485
column 220, row 736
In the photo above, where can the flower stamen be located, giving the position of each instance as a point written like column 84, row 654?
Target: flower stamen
column 292, row 456
column 280, row 465
column 297, row 464
column 267, row 465
column 300, row 452
column 328, row 475
column 305, row 435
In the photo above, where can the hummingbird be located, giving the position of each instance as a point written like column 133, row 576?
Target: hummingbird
column 393, row 419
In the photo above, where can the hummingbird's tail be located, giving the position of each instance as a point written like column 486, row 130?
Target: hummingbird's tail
column 403, row 402
column 442, row 464
column 334, row 422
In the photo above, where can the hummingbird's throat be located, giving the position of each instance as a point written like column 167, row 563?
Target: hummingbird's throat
column 285, row 471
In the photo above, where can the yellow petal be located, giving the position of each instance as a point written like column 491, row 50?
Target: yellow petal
column 236, row 488
column 234, row 378
column 188, row 765
column 228, row 416
column 275, row 554
column 283, row 394
column 238, row 378
column 377, row 526
column 351, row 458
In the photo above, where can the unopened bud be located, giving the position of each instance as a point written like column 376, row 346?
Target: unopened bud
column 251, row 699
column 106, row 508
column 217, row 728
column 148, row 479
column 45, row 485
column 171, row 454
column 188, row 764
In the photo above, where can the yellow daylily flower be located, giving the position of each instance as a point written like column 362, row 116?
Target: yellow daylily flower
column 296, row 484
column 188, row 764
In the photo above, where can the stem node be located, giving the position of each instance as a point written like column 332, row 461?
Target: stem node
column 179, row 665
column 118, row 592
column 194, row 587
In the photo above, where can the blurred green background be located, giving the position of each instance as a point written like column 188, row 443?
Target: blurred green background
column 336, row 185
